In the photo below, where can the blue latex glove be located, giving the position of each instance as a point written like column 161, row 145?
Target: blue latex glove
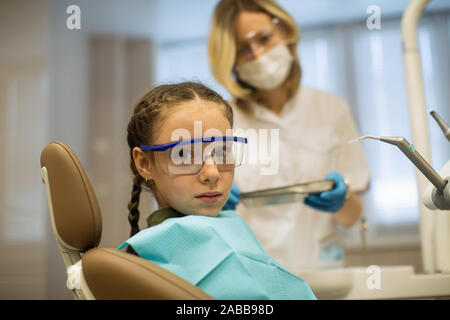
column 332, row 200
column 233, row 199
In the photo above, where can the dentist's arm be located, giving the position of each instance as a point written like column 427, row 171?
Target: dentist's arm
column 350, row 212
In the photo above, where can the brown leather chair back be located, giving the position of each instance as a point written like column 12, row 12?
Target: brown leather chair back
column 76, row 213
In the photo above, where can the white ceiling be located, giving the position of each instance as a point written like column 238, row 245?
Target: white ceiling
column 168, row 20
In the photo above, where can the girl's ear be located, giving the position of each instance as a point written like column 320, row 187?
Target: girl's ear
column 142, row 163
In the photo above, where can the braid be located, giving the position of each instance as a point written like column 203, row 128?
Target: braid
column 133, row 215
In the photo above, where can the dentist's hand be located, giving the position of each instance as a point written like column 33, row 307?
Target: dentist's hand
column 233, row 199
column 332, row 200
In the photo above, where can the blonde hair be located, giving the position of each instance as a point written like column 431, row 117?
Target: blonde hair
column 222, row 45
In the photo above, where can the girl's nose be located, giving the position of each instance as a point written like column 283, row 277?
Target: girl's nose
column 209, row 173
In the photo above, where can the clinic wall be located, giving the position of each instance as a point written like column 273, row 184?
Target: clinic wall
column 23, row 131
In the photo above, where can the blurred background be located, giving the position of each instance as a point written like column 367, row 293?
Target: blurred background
column 80, row 86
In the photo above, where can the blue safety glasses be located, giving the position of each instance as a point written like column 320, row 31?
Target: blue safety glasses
column 189, row 156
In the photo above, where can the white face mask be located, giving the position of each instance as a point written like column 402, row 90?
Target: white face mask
column 269, row 70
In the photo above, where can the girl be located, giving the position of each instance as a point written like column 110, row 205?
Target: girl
column 191, row 180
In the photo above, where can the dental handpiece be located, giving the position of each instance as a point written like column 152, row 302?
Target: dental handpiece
column 445, row 128
column 415, row 157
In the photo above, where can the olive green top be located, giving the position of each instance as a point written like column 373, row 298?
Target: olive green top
column 160, row 215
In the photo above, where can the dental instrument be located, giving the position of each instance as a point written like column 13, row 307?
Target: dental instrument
column 445, row 128
column 286, row 194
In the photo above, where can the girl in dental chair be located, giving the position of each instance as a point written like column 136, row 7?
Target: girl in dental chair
column 182, row 150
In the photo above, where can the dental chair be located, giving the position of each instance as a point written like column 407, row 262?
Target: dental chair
column 77, row 226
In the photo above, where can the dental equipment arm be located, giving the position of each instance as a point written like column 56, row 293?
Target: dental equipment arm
column 418, row 120
column 434, row 198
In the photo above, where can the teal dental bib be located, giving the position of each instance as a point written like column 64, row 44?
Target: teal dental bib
column 221, row 255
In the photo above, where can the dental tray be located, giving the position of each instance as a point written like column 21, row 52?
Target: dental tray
column 287, row 194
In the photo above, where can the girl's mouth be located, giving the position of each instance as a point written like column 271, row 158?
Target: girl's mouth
column 209, row 196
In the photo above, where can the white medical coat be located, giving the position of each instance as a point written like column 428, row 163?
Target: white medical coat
column 314, row 130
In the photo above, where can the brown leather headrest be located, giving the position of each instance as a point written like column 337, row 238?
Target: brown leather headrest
column 112, row 274
column 77, row 214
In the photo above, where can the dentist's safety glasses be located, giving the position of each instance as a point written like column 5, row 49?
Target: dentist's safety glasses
column 262, row 40
column 189, row 156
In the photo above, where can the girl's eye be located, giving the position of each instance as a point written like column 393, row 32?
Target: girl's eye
column 183, row 153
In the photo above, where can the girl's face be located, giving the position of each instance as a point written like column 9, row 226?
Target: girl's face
column 204, row 193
